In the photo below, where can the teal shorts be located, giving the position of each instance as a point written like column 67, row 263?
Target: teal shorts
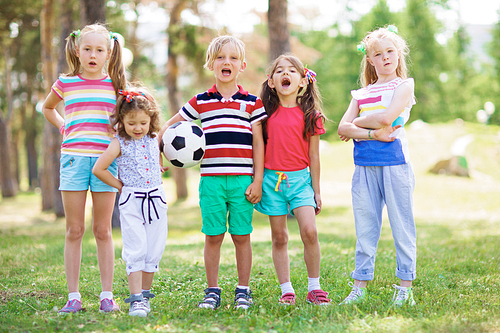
column 223, row 202
column 283, row 191
column 75, row 174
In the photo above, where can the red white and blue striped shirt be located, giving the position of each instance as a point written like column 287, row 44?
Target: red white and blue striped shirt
column 227, row 125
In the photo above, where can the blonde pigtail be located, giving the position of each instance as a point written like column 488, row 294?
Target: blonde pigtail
column 71, row 57
column 116, row 69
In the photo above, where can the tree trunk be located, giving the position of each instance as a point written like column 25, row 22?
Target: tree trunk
column 31, row 151
column 46, row 32
column 15, row 135
column 9, row 186
column 279, row 36
column 133, row 43
column 178, row 174
column 92, row 11
column 30, row 133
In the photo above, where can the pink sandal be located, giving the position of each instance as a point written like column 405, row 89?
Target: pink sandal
column 318, row 297
column 288, row 299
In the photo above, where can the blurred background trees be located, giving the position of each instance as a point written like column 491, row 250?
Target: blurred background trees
column 165, row 42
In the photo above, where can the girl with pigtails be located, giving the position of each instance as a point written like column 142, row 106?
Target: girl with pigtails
column 89, row 94
column 292, row 169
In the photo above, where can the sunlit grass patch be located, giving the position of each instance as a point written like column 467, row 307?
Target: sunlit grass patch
column 458, row 268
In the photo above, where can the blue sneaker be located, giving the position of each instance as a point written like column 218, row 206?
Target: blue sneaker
column 242, row 298
column 211, row 300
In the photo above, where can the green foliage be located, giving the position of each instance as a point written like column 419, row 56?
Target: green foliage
column 494, row 88
column 447, row 84
column 494, row 47
column 337, row 72
column 427, row 61
column 380, row 16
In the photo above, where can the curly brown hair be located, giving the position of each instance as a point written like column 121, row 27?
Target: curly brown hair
column 140, row 100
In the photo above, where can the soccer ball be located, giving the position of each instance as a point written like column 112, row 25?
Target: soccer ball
column 184, row 144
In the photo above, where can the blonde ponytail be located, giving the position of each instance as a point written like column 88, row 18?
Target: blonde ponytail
column 116, row 70
column 73, row 61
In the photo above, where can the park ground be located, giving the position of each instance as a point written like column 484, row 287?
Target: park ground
column 458, row 268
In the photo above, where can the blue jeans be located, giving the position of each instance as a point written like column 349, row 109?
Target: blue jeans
column 372, row 188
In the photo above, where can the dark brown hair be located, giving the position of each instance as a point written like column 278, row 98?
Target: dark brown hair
column 141, row 101
column 308, row 99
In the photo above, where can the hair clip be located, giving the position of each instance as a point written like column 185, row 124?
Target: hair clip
column 310, row 75
column 392, row 28
column 129, row 95
column 75, row 34
column 362, row 47
column 112, row 35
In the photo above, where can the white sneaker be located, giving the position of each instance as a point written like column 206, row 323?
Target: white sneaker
column 403, row 295
column 356, row 295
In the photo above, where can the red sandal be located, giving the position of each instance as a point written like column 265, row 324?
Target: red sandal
column 318, row 297
column 288, row 299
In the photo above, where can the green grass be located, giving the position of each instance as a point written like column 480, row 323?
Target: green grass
column 458, row 268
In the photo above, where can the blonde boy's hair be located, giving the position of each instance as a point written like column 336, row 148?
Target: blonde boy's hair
column 216, row 45
column 368, row 73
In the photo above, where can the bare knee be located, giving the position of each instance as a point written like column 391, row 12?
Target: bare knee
column 280, row 239
column 102, row 232
column 214, row 240
column 241, row 240
column 309, row 236
column 75, row 232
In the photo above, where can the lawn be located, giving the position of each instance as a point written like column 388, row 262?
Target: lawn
column 458, row 268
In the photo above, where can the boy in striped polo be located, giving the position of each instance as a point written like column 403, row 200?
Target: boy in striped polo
column 233, row 165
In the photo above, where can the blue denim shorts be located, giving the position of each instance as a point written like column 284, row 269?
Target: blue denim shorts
column 75, row 174
column 283, row 191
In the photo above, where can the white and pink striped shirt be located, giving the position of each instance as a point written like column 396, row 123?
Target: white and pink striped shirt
column 375, row 99
column 88, row 105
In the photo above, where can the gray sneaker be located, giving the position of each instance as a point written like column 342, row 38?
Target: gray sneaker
column 147, row 295
column 402, row 296
column 357, row 295
column 137, row 307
